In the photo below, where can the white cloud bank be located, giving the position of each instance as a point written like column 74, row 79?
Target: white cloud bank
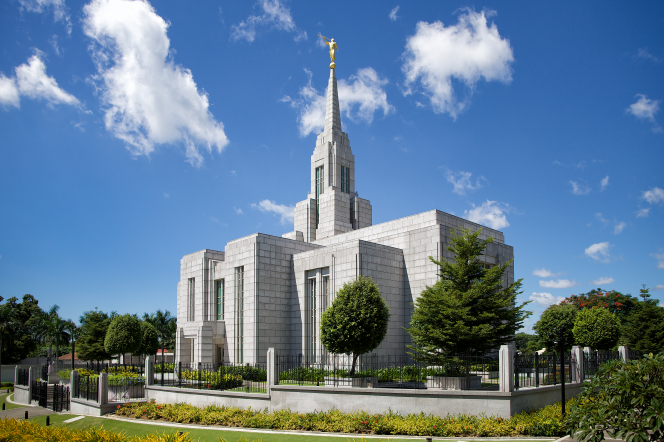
column 545, row 299
column 579, row 188
column 359, row 99
column 603, row 281
column 60, row 12
column 275, row 15
column 660, row 260
column 599, row 252
column 31, row 81
column 559, row 284
column 148, row 99
column 467, row 51
column 393, row 14
column 643, row 213
column 645, row 109
column 619, row 227
column 490, row 213
column 287, row 213
column 654, row 195
column 657, row 287
column 604, row 183
column 544, row 273
column 462, row 182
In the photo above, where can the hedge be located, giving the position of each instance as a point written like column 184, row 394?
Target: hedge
column 544, row 422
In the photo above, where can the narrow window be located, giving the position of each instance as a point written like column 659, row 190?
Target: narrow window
column 219, row 307
column 320, row 189
column 239, row 303
column 191, row 294
column 324, row 304
column 345, row 179
column 311, row 313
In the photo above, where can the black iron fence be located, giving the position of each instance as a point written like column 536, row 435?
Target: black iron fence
column 40, row 392
column 44, row 372
column 126, row 385
column 60, row 398
column 247, row 378
column 86, row 388
column 593, row 359
column 539, row 370
column 101, row 367
column 23, row 376
column 460, row 372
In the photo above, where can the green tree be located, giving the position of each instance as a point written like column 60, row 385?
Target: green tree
column 625, row 400
column 166, row 326
column 123, row 335
column 20, row 328
column 615, row 302
column 468, row 310
column 525, row 343
column 356, row 323
column 555, row 319
column 149, row 340
column 94, row 325
column 596, row 328
column 74, row 334
column 644, row 330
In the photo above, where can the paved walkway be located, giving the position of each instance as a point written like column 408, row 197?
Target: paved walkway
column 19, row 413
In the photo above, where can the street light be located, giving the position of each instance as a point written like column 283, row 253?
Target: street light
column 561, row 349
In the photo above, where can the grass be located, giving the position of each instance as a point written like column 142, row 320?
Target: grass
column 200, row 435
column 8, row 406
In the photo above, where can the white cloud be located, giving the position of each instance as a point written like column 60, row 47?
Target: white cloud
column 654, row 195
column 559, row 284
column 579, row 188
column 467, row 51
column 599, row 252
column 238, row 211
column 604, row 183
column 490, row 213
column 660, row 260
column 275, row 15
column 645, row 109
column 545, row 299
column 287, row 213
column 619, row 227
column 544, row 273
column 643, row 213
column 9, row 95
column 462, row 181
column 393, row 14
column 645, row 55
column 359, row 99
column 31, row 81
column 603, row 281
column 601, row 218
column 60, row 12
column 148, row 99
column 657, row 287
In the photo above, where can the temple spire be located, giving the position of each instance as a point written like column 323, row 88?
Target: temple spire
column 332, row 114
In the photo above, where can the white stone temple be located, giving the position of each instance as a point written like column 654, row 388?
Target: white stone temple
column 264, row 291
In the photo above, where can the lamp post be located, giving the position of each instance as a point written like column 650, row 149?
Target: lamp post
column 561, row 349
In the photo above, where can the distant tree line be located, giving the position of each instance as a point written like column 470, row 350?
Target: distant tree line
column 27, row 330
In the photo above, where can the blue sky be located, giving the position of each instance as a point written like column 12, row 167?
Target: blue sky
column 135, row 133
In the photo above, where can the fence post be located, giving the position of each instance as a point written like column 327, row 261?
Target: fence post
column 31, row 378
column 506, row 367
column 180, row 374
column 149, row 371
column 272, row 378
column 537, row 373
column 624, row 354
column 103, row 389
column 73, row 383
column 577, row 353
column 16, row 375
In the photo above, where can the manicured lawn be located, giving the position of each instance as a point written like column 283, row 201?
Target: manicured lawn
column 136, row 429
column 8, row 406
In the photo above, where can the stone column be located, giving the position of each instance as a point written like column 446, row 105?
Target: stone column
column 624, row 354
column 149, row 371
column 16, row 375
column 103, row 388
column 577, row 354
column 506, row 367
column 271, row 370
column 31, row 378
column 73, row 384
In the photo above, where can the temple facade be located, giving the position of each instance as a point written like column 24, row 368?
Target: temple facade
column 264, row 291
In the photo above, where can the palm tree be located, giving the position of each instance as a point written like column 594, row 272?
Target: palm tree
column 74, row 333
column 55, row 329
column 166, row 326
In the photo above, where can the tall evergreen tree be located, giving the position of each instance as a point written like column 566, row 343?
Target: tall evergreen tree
column 123, row 335
column 468, row 310
column 644, row 329
column 554, row 321
column 94, row 325
column 20, row 329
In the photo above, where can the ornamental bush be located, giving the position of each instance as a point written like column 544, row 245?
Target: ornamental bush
column 596, row 328
column 214, row 380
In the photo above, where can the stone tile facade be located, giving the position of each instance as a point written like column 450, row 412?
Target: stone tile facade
column 264, row 291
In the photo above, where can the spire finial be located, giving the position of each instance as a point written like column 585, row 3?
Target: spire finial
column 333, row 50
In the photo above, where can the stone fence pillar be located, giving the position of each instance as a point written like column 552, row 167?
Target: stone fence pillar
column 103, row 388
column 506, row 367
column 16, row 375
column 577, row 353
column 31, row 379
column 271, row 370
column 624, row 354
column 149, row 370
column 73, row 384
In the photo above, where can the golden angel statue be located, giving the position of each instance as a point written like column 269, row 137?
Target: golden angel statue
column 333, row 50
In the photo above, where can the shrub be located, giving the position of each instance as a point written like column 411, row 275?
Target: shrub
column 625, row 400
column 543, row 422
column 213, row 380
column 168, row 367
column 6, row 384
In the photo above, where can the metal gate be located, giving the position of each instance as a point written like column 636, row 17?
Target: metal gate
column 40, row 392
column 60, row 398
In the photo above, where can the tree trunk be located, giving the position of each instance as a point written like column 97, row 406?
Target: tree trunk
column 352, row 369
column 73, row 348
